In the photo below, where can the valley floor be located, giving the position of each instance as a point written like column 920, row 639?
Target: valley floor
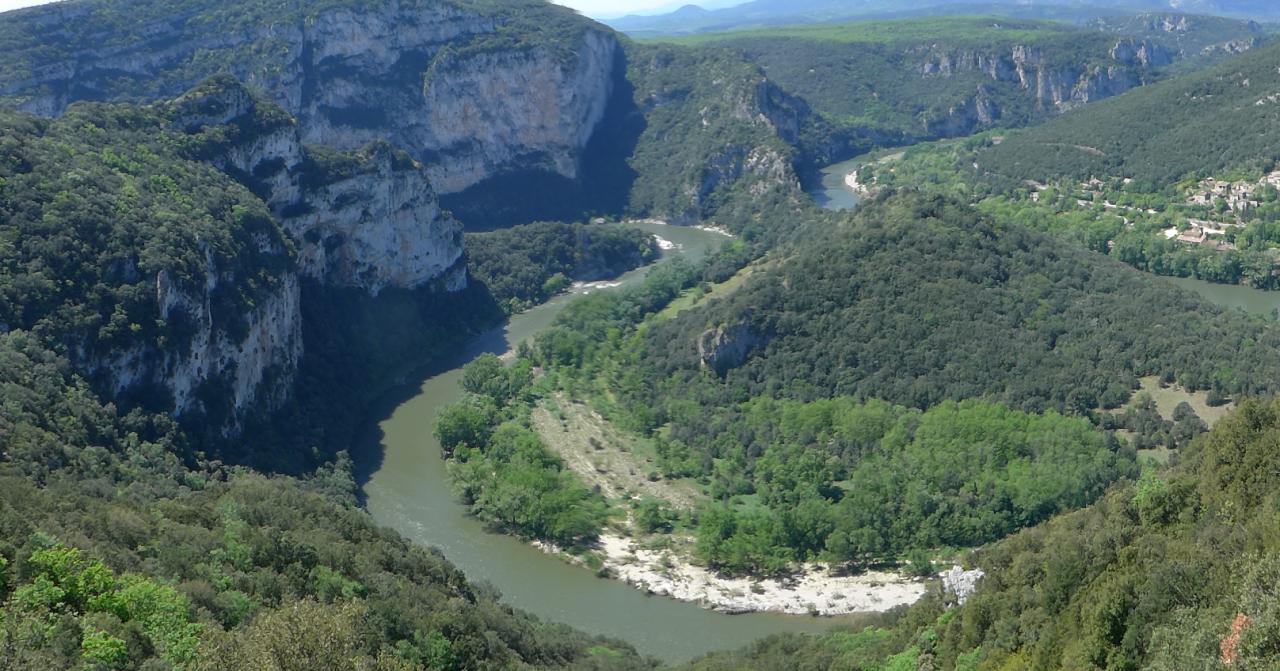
column 662, row 564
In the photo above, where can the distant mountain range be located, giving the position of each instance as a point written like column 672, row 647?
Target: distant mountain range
column 762, row 13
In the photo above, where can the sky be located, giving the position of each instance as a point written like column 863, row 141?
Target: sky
column 593, row 8
column 6, row 5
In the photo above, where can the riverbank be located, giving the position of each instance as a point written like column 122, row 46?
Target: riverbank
column 812, row 589
column 407, row 488
column 620, row 467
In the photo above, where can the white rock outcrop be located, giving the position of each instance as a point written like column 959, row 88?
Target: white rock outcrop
column 396, row 70
column 375, row 223
column 960, row 583
column 265, row 343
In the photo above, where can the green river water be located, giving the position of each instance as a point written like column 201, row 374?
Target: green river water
column 406, row 488
column 1253, row 301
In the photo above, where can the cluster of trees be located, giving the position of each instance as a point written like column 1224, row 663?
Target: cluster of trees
column 921, row 302
column 1150, row 429
column 525, row 265
column 1175, row 571
column 122, row 550
column 1124, row 218
column 872, row 80
column 501, row 468
column 864, row 482
column 99, row 202
column 1203, row 124
column 919, row 299
column 690, row 157
column 869, row 78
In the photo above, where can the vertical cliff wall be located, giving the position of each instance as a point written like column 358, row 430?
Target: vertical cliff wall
column 470, row 91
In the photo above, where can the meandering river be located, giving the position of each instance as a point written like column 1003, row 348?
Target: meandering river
column 831, row 192
column 406, row 488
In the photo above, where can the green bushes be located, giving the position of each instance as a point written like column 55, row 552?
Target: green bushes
column 500, row 467
column 525, row 265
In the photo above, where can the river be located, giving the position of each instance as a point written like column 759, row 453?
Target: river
column 1253, row 301
column 830, row 191
column 408, row 491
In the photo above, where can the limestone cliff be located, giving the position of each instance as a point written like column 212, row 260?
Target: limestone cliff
column 726, row 347
column 249, row 358
column 712, row 122
column 469, row 90
column 1055, row 84
column 367, row 219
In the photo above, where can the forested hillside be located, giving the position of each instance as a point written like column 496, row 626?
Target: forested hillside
column 1174, row 179
column 902, row 81
column 1176, row 571
column 522, row 266
column 201, row 294
column 1196, row 126
column 912, row 377
column 122, row 550
column 770, row 13
column 918, row 299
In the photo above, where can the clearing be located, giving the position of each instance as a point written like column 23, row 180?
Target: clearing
column 622, row 466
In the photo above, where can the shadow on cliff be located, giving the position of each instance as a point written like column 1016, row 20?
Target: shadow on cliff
column 361, row 356
column 367, row 440
column 603, row 186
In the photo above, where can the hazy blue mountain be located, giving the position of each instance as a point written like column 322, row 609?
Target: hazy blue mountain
column 760, row 13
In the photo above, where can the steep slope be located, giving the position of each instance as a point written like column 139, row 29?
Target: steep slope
column 157, row 275
column 1176, row 571
column 928, row 78
column 1175, row 179
column 920, row 299
column 469, row 88
column 368, row 219
column 1205, row 123
column 117, row 555
column 910, row 377
column 517, row 111
column 171, row 284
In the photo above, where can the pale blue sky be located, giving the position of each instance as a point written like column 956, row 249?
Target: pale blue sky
column 596, row 8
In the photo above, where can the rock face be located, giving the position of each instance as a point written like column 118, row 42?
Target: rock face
column 368, row 219
column 354, row 116
column 434, row 77
column 1056, row 85
column 251, row 357
column 960, row 583
column 485, row 113
column 726, row 347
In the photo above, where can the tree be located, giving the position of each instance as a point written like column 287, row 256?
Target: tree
column 468, row 422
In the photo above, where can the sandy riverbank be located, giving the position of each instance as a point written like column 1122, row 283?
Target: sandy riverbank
column 858, row 188
column 812, row 590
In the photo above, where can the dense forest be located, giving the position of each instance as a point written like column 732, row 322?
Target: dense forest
column 1203, row 124
column 525, row 265
column 121, row 550
column 798, row 459
column 1175, row 571
column 917, row 299
column 930, row 377
column 883, row 82
column 98, row 202
column 1126, row 177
